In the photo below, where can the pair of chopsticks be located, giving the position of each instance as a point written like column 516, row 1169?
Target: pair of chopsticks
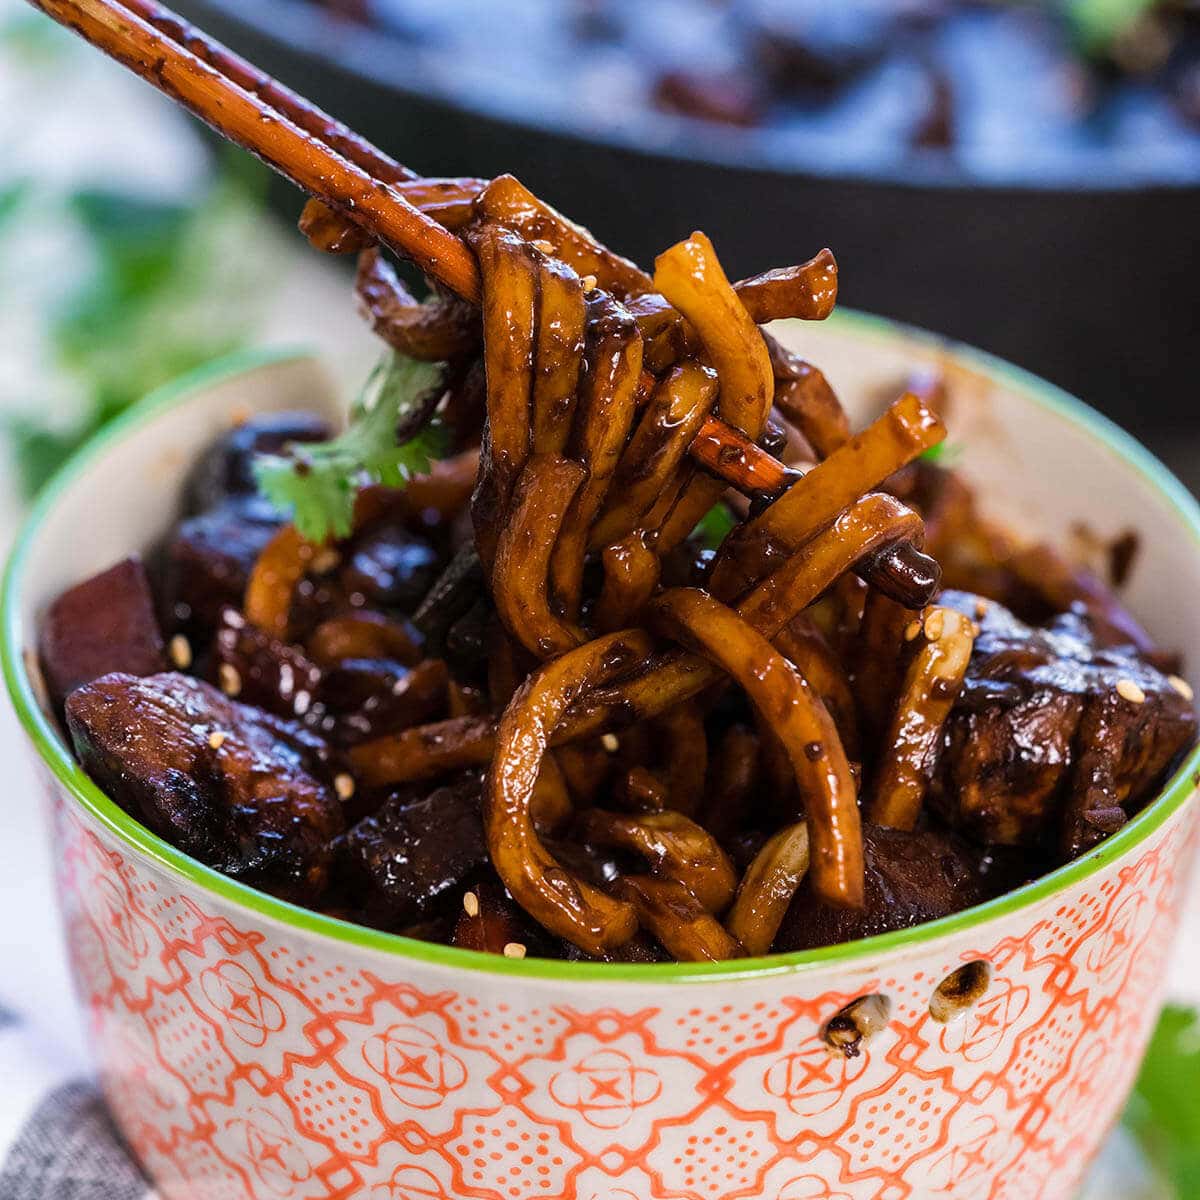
column 332, row 163
column 319, row 155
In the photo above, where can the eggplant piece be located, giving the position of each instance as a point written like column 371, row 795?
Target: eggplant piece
column 226, row 469
column 263, row 670
column 397, row 864
column 235, row 787
column 105, row 624
column 491, row 921
column 389, row 568
column 1057, row 738
column 208, row 560
column 361, row 699
column 911, row 878
column 456, row 589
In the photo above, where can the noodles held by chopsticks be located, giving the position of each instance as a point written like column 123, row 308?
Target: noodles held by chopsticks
column 585, row 452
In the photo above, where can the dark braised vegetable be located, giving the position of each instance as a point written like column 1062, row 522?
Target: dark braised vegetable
column 1056, row 738
column 226, row 469
column 389, row 568
column 493, row 922
column 233, row 786
column 911, row 878
column 364, row 698
column 207, row 561
column 396, row 864
column 107, row 623
column 261, row 670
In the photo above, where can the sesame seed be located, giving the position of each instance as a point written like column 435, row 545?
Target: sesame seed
column 1182, row 687
column 589, row 283
column 216, row 739
column 471, row 904
column 343, row 784
column 325, row 560
column 230, row 680
column 181, row 652
column 514, row 950
column 1128, row 690
column 911, row 630
column 610, row 742
column 935, row 623
column 544, row 246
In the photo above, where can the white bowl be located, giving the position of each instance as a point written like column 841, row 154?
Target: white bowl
column 252, row 1049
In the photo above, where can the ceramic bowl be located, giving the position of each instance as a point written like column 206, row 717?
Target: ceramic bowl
column 255, row 1051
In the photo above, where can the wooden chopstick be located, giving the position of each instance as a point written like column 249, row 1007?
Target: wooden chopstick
column 251, row 122
column 300, row 111
column 337, row 166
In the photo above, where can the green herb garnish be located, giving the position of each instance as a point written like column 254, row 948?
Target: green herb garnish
column 317, row 482
column 714, row 527
column 944, row 454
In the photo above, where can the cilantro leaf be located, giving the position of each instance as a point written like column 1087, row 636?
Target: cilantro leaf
column 317, row 482
column 944, row 454
column 1164, row 1111
column 714, row 527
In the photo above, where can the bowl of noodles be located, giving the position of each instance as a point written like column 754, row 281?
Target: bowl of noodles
column 252, row 1044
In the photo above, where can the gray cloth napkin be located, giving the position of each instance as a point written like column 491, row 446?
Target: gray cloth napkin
column 57, row 1141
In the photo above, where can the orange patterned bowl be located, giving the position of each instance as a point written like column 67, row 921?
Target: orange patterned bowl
column 251, row 1050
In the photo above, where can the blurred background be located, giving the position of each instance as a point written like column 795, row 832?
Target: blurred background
column 1022, row 176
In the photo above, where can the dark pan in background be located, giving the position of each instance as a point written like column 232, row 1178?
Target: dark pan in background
column 1094, row 286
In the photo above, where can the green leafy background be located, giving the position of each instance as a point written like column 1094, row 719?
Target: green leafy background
column 1164, row 1111
column 163, row 293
